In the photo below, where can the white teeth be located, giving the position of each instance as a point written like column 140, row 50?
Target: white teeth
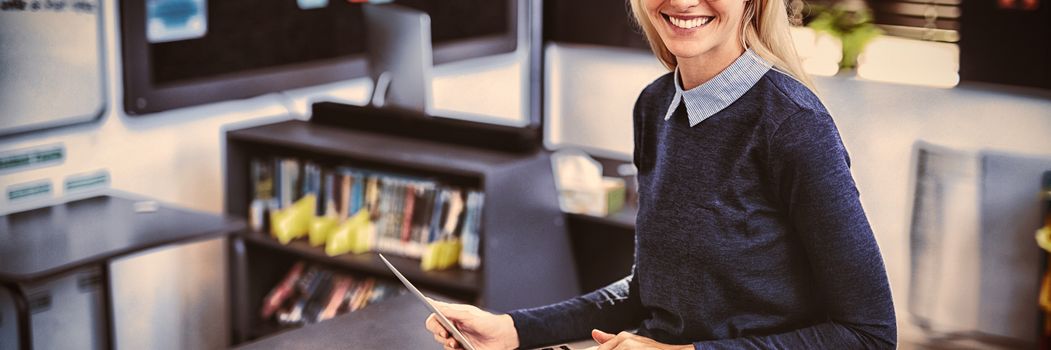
column 690, row 23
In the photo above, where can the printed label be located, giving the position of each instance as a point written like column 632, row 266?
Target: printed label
column 87, row 181
column 34, row 189
column 29, row 158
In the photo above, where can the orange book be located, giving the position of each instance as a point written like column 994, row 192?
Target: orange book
column 362, row 297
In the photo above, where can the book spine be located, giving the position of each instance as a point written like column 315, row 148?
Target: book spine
column 335, row 300
column 279, row 181
column 357, row 193
column 406, row 215
column 469, row 256
column 394, row 213
column 344, row 195
column 372, row 195
column 362, row 298
column 329, row 191
column 317, row 297
column 436, row 215
column 309, row 294
column 453, row 215
column 282, row 291
column 294, row 180
column 290, row 182
column 396, row 216
column 419, row 207
column 380, row 213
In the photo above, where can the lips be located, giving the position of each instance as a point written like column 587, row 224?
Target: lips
column 687, row 22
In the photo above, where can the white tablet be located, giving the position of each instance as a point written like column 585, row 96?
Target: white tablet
column 441, row 318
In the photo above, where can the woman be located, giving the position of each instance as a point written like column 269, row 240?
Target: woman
column 750, row 233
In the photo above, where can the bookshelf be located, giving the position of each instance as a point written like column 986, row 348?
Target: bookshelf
column 526, row 254
column 603, row 246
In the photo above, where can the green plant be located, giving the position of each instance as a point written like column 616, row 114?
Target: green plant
column 853, row 28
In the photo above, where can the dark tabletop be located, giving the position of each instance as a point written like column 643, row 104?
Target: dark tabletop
column 396, row 323
column 47, row 241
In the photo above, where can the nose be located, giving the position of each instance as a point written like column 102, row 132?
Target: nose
column 683, row 4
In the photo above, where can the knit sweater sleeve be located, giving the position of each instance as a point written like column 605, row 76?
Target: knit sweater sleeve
column 811, row 171
column 613, row 308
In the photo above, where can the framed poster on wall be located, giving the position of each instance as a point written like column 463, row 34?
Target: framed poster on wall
column 52, row 71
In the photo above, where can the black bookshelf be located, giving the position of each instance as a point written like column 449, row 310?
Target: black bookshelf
column 453, row 281
column 603, row 246
column 527, row 257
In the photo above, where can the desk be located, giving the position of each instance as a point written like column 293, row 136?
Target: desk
column 47, row 242
column 396, row 323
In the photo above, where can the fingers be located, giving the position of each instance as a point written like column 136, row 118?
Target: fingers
column 435, row 327
column 600, row 336
column 441, row 336
column 451, row 344
column 456, row 311
column 615, row 341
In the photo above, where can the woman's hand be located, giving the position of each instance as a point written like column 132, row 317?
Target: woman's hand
column 484, row 330
column 626, row 341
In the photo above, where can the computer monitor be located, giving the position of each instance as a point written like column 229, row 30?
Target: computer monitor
column 399, row 57
column 179, row 53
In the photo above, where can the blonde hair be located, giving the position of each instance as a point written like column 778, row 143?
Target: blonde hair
column 765, row 30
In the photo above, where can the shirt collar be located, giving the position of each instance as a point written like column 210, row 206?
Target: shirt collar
column 716, row 94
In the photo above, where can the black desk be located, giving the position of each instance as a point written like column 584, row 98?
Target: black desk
column 396, row 323
column 47, row 242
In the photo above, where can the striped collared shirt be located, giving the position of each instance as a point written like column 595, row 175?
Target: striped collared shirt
column 711, row 97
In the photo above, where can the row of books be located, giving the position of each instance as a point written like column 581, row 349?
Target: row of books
column 406, row 215
column 309, row 294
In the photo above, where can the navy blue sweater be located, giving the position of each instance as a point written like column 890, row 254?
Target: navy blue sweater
column 750, row 234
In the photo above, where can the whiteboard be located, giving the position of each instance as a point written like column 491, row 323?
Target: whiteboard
column 51, row 64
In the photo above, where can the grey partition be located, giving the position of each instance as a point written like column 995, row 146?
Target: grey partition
column 1012, row 264
column 975, row 267
column 51, row 64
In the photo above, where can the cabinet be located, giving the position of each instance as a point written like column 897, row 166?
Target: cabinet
column 526, row 255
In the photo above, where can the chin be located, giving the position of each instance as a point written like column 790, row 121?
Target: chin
column 687, row 51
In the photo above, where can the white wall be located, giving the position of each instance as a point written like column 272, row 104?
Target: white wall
column 177, row 157
column 590, row 94
column 595, row 89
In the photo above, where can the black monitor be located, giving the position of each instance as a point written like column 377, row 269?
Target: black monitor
column 201, row 51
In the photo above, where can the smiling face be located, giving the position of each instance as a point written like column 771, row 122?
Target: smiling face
column 698, row 30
